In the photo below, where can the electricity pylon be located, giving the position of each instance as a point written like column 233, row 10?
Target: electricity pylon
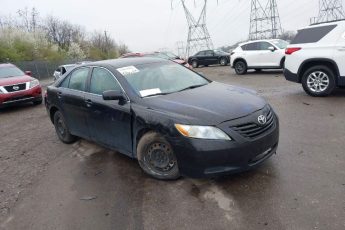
column 198, row 35
column 264, row 20
column 329, row 10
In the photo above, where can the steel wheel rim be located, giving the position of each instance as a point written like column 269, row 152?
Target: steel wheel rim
column 61, row 127
column 239, row 67
column 222, row 62
column 160, row 158
column 318, row 81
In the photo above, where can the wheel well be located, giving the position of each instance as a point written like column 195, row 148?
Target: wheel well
column 139, row 135
column 240, row 59
column 332, row 66
column 52, row 113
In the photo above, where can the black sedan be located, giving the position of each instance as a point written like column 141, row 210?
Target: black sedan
column 209, row 57
column 173, row 120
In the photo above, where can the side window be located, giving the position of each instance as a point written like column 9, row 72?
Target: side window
column 209, row 53
column 65, row 82
column 264, row 45
column 201, row 53
column 252, row 46
column 102, row 80
column 313, row 34
column 78, row 79
column 63, row 70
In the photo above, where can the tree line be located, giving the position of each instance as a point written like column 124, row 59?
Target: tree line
column 28, row 37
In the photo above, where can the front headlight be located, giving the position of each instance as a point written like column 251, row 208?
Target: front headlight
column 34, row 83
column 202, row 132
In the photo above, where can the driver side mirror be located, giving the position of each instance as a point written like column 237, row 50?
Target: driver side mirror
column 113, row 95
column 271, row 48
column 28, row 73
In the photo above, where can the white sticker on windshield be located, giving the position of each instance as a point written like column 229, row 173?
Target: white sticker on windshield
column 148, row 92
column 128, row 70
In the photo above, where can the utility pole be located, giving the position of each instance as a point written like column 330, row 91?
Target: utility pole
column 264, row 20
column 198, row 35
column 329, row 10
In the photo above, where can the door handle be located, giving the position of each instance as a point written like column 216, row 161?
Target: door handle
column 59, row 94
column 88, row 102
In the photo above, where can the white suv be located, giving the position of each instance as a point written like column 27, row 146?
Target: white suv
column 316, row 58
column 260, row 54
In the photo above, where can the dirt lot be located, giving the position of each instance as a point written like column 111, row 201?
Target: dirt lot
column 45, row 184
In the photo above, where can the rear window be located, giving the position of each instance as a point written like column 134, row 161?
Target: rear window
column 312, row 35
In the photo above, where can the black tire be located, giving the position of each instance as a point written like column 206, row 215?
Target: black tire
column 39, row 102
column 240, row 67
column 318, row 81
column 282, row 64
column 195, row 64
column 156, row 157
column 62, row 130
column 223, row 62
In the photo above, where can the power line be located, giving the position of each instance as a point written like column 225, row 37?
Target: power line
column 264, row 20
column 329, row 10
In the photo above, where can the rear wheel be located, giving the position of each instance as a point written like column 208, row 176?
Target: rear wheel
column 223, row 61
column 195, row 64
column 318, row 81
column 62, row 130
column 240, row 67
column 157, row 158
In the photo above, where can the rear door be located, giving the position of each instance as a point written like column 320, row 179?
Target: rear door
column 109, row 121
column 71, row 97
column 210, row 59
column 252, row 53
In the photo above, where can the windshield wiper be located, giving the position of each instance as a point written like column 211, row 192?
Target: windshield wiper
column 192, row 87
column 156, row 94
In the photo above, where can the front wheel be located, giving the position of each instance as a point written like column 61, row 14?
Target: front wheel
column 157, row 158
column 318, row 81
column 240, row 67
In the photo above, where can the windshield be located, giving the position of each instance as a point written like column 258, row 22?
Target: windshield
column 161, row 78
column 281, row 44
column 10, row 71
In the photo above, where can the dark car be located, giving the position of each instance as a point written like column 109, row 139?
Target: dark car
column 209, row 57
column 173, row 120
column 17, row 87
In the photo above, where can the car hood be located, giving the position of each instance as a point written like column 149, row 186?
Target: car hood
column 15, row 80
column 211, row 104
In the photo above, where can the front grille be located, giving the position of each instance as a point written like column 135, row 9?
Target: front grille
column 15, row 88
column 253, row 130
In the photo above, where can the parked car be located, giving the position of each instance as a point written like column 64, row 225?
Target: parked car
column 209, row 57
column 18, row 87
column 150, row 110
column 164, row 55
column 258, row 55
column 316, row 58
column 62, row 69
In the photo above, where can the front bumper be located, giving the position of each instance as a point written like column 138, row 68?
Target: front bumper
column 210, row 158
column 25, row 96
column 291, row 76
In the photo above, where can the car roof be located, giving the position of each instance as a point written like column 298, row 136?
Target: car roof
column 259, row 40
column 123, row 62
column 2, row 65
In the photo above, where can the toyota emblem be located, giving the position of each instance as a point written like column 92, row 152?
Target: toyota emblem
column 262, row 119
column 15, row 87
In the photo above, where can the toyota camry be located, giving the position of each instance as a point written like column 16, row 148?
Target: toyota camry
column 173, row 120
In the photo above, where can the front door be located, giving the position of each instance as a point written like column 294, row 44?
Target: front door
column 109, row 121
column 71, row 95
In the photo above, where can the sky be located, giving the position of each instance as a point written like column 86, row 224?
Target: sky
column 149, row 25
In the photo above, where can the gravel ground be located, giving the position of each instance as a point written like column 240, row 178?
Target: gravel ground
column 45, row 184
